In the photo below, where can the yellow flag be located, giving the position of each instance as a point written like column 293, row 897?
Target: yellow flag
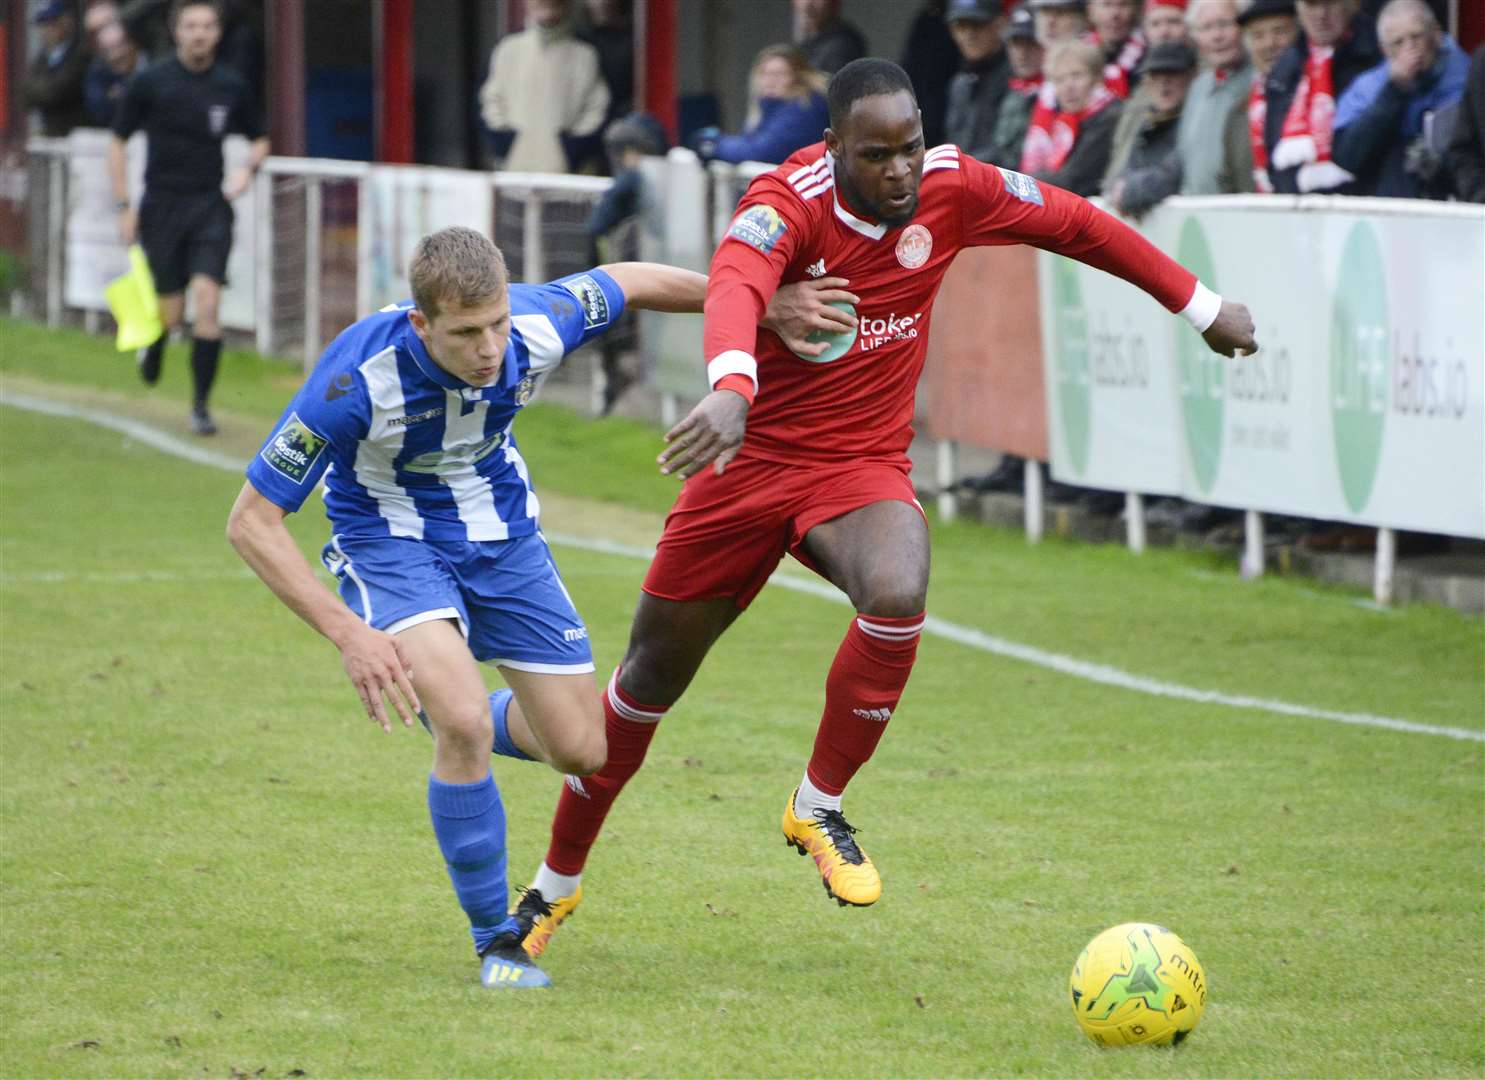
column 134, row 304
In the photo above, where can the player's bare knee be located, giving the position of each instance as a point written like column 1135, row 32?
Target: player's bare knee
column 892, row 599
column 648, row 680
column 466, row 724
column 581, row 758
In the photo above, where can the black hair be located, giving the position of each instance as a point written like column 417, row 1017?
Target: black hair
column 866, row 77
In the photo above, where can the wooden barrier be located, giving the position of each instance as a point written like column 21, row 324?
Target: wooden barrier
column 983, row 383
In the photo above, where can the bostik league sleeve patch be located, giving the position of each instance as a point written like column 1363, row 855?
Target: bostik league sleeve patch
column 293, row 449
column 589, row 295
column 761, row 226
column 1022, row 187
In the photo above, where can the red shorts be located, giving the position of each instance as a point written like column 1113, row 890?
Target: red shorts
column 726, row 534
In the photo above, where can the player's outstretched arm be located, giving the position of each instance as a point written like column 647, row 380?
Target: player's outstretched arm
column 372, row 659
column 657, row 287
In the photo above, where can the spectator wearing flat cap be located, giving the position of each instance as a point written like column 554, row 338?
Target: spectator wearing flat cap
column 1269, row 28
column 1379, row 118
column 1150, row 170
column 54, row 82
column 1212, row 136
column 1024, row 54
column 977, row 90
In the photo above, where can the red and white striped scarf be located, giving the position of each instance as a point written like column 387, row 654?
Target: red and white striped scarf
column 1117, row 72
column 1309, row 127
column 1052, row 132
column 1257, row 114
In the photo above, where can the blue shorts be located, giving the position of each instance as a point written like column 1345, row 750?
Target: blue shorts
column 506, row 596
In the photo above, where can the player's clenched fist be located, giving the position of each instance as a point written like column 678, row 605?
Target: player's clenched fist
column 1232, row 329
column 374, row 663
column 713, row 431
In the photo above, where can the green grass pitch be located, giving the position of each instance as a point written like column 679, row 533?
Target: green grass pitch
column 212, row 864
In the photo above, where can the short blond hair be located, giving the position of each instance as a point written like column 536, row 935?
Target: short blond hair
column 455, row 265
column 1084, row 52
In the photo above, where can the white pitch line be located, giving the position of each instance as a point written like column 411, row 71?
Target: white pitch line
column 160, row 440
column 963, row 635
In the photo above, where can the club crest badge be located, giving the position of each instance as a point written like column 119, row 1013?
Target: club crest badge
column 914, row 246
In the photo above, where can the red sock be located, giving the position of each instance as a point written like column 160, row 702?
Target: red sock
column 864, row 686
column 585, row 801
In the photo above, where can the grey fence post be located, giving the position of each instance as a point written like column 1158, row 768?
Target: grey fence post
column 1253, row 554
column 1134, row 521
column 1386, row 565
column 313, row 219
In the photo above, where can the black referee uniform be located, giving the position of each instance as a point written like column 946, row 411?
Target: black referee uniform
column 185, row 222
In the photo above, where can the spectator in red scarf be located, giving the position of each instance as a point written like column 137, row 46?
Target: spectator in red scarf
column 1069, row 145
column 1113, row 31
column 1268, row 29
column 1338, row 43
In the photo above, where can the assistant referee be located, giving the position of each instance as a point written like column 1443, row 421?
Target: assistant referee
column 186, row 105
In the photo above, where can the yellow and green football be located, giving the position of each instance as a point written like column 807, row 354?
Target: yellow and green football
column 1137, row 984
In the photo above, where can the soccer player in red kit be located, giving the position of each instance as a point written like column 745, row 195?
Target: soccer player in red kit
column 809, row 454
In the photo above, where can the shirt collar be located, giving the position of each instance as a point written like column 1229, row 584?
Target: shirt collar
column 865, row 228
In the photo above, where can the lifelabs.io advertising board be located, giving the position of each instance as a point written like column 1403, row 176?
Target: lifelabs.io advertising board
column 1365, row 403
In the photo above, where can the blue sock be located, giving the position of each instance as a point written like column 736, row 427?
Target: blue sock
column 500, row 716
column 469, row 821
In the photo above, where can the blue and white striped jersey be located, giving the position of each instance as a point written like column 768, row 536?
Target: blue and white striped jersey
column 406, row 449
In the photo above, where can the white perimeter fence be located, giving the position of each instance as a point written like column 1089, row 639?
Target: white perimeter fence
column 1365, row 404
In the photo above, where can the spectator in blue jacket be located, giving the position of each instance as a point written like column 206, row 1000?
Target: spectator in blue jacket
column 788, row 111
column 1381, row 113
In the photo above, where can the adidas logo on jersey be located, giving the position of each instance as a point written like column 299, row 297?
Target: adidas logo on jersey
column 880, row 715
column 816, row 269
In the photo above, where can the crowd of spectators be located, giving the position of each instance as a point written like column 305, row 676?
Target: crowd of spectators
column 1206, row 97
column 1194, row 97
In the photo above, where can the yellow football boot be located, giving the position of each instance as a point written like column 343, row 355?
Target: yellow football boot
column 538, row 918
column 845, row 871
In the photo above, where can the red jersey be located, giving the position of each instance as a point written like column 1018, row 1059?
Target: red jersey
column 792, row 225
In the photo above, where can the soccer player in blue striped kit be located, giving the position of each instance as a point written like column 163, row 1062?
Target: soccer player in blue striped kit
column 407, row 418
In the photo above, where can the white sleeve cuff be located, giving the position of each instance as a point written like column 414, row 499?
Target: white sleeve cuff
column 734, row 362
column 1202, row 309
